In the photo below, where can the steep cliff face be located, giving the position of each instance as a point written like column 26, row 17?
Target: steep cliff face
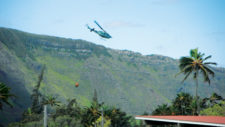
column 126, row 79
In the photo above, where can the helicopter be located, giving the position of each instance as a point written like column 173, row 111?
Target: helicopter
column 102, row 33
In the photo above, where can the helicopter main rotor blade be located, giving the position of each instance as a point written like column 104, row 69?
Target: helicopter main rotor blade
column 99, row 26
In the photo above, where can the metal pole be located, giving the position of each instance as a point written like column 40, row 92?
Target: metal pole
column 45, row 116
column 102, row 118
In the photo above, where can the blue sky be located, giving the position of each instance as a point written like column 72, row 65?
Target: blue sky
column 165, row 27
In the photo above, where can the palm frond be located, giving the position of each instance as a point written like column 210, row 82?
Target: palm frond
column 207, row 58
column 5, row 95
column 210, row 63
column 184, row 70
column 185, row 61
column 205, row 74
column 7, row 102
column 188, row 69
column 194, row 53
column 200, row 56
column 209, row 70
column 186, row 76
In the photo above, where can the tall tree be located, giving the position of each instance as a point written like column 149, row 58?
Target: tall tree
column 36, row 106
column 92, row 113
column 196, row 64
column 5, row 95
column 49, row 100
column 34, row 112
column 95, row 97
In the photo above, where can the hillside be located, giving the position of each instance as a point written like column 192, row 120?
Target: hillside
column 126, row 79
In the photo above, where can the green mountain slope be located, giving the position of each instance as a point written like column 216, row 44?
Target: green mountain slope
column 126, row 79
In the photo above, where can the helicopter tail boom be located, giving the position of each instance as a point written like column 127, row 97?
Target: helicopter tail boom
column 91, row 29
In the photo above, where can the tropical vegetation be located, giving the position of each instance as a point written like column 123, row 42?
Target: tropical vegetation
column 185, row 104
column 5, row 96
column 72, row 114
column 215, row 110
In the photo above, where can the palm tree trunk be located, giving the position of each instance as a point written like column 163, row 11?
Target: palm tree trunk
column 102, row 118
column 45, row 116
column 196, row 94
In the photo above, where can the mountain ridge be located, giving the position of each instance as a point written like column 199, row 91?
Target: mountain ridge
column 123, row 51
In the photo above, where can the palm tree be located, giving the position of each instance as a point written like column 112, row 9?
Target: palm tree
column 5, row 95
column 163, row 109
column 49, row 100
column 215, row 98
column 92, row 113
column 195, row 64
column 182, row 104
column 117, row 117
column 71, row 109
column 36, row 106
column 212, row 100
